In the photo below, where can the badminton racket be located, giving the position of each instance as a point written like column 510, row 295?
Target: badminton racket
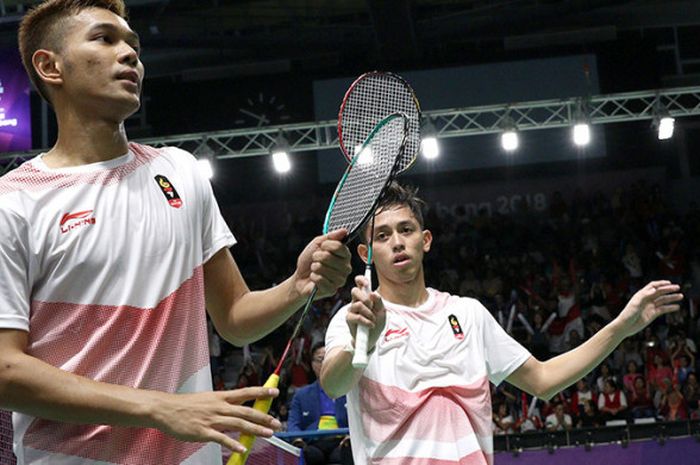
column 353, row 202
column 370, row 98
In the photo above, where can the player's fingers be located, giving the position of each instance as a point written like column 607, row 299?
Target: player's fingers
column 363, row 320
column 361, row 282
column 336, row 235
column 657, row 284
column 666, row 289
column 664, row 309
column 226, row 423
column 359, row 311
column 238, row 396
column 227, row 442
column 359, row 294
column 331, row 270
column 326, row 258
column 251, row 415
column 335, row 248
column 668, row 298
column 377, row 304
column 326, row 285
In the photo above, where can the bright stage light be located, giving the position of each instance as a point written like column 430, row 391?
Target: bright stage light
column 429, row 147
column 280, row 160
column 510, row 141
column 582, row 134
column 666, row 125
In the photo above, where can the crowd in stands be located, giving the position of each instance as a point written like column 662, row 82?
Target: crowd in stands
column 552, row 279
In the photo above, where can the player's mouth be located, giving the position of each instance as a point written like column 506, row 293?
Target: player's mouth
column 401, row 259
column 129, row 76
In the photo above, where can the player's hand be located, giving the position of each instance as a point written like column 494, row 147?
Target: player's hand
column 324, row 263
column 366, row 309
column 205, row 416
column 653, row 300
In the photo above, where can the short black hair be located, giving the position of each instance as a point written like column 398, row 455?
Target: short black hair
column 317, row 346
column 396, row 195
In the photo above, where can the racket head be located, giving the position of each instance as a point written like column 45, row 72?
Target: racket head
column 372, row 97
column 370, row 170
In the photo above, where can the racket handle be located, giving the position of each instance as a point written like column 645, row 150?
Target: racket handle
column 247, row 440
column 360, row 359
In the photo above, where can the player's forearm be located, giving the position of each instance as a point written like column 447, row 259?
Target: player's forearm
column 33, row 387
column 258, row 313
column 564, row 370
column 337, row 373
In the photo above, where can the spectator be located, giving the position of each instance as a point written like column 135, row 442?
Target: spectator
column 672, row 406
column 589, row 417
column 283, row 416
column 605, row 374
column 312, row 409
column 641, row 405
column 659, row 372
column 559, row 420
column 582, row 393
column 630, row 377
column 683, row 360
column 503, row 421
column 691, row 393
column 612, row 402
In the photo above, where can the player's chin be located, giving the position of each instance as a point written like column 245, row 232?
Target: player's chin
column 125, row 104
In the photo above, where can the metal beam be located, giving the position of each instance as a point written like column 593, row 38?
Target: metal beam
column 458, row 122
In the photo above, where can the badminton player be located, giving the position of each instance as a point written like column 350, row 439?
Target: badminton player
column 108, row 253
column 424, row 396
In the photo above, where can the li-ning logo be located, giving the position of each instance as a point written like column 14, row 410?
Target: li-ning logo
column 394, row 333
column 71, row 221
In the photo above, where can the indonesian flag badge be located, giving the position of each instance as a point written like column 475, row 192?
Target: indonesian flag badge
column 169, row 191
column 456, row 328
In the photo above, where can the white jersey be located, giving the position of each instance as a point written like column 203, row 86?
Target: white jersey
column 424, row 396
column 102, row 265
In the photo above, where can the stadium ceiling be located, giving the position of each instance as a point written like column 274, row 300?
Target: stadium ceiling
column 457, row 122
column 208, row 39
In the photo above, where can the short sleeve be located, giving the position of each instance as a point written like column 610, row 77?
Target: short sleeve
column 15, row 287
column 215, row 232
column 338, row 333
column 503, row 354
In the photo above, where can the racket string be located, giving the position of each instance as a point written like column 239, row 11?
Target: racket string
column 373, row 97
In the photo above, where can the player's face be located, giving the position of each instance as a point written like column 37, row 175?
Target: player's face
column 100, row 65
column 399, row 244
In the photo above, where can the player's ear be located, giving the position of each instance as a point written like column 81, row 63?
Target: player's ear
column 362, row 252
column 47, row 66
column 427, row 240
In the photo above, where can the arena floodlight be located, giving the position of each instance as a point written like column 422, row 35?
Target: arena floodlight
column 429, row 144
column 205, row 159
column 280, row 155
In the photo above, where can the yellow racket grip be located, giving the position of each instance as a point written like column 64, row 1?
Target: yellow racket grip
column 247, row 440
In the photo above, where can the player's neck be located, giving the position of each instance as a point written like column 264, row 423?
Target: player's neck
column 83, row 140
column 409, row 294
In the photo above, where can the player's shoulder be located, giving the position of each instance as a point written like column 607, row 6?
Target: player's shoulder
column 175, row 154
column 14, row 186
column 455, row 302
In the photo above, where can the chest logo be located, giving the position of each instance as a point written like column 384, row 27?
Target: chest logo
column 394, row 333
column 456, row 328
column 71, row 221
column 169, row 191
